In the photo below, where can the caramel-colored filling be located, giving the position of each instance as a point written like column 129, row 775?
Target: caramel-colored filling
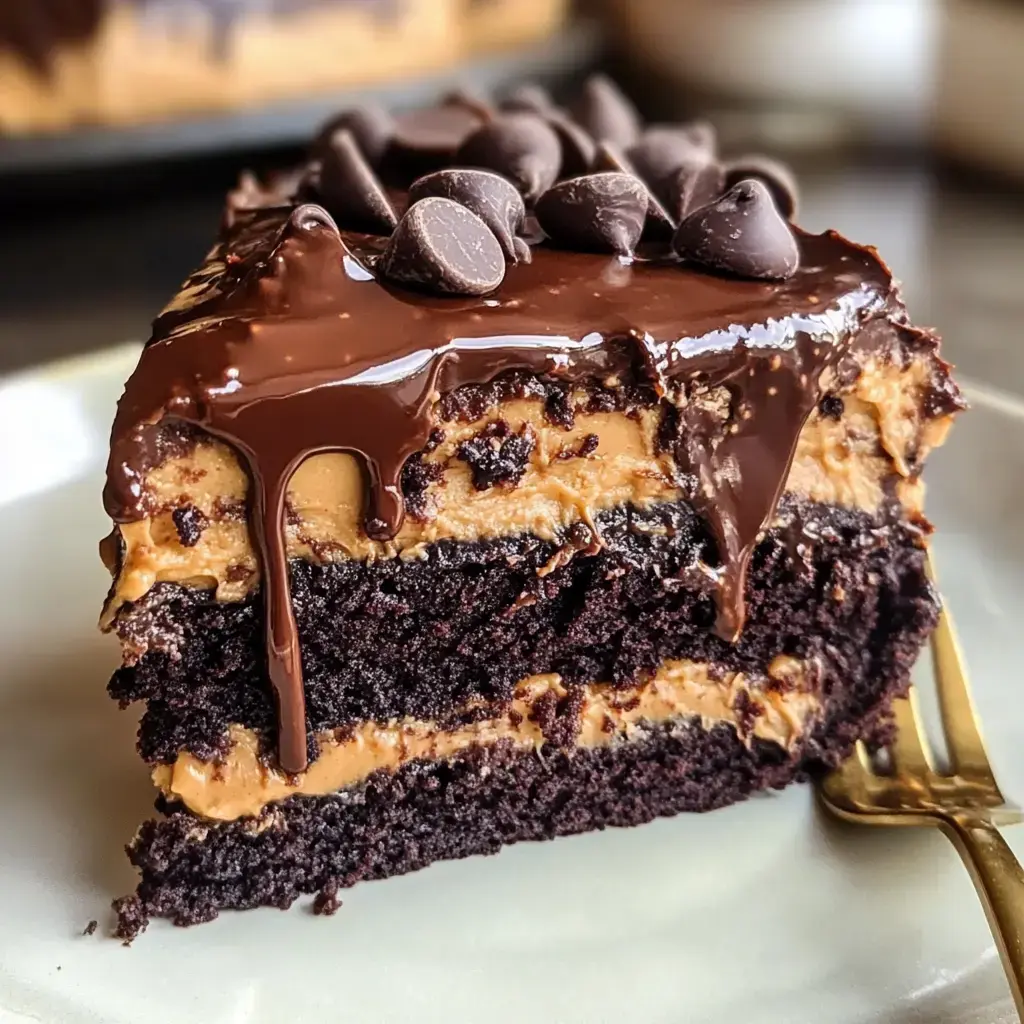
column 845, row 461
column 776, row 708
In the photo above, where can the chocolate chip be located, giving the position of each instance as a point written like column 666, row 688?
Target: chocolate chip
column 471, row 101
column 660, row 153
column 578, row 148
column 528, row 98
column 660, row 224
column 371, row 126
column 491, row 197
column 524, row 254
column 777, row 176
column 606, row 113
column 742, row 233
column 694, row 184
column 699, row 134
column 349, row 189
column 603, row 211
column 521, row 147
column 443, row 247
column 432, row 135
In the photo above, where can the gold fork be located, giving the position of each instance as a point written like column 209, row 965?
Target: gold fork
column 964, row 802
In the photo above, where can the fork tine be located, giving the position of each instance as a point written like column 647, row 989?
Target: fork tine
column 910, row 750
column 959, row 718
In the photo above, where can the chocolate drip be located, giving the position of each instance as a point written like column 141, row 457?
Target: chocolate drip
column 285, row 345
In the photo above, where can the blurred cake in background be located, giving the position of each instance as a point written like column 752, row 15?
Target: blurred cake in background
column 122, row 62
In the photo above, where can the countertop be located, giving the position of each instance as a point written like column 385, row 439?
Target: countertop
column 73, row 278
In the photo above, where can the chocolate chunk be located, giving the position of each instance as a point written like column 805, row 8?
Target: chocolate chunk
column 431, row 136
column 443, row 247
column 777, row 176
column 578, row 148
column 521, row 147
column 742, row 233
column 831, row 407
column 189, row 523
column 349, row 189
column 694, row 184
column 660, row 224
column 606, row 113
column 491, row 197
column 471, row 101
column 497, row 456
column 604, row 211
column 371, row 126
column 529, row 98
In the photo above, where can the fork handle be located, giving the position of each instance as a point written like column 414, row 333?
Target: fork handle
column 999, row 879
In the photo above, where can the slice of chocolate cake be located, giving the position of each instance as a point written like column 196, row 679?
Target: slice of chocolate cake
column 506, row 473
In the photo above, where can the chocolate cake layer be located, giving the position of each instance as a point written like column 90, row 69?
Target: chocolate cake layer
column 423, row 638
column 473, row 804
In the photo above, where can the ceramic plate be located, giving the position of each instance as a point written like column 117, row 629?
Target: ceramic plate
column 763, row 912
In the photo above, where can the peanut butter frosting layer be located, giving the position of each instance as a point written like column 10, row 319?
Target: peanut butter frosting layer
column 776, row 707
column 872, row 434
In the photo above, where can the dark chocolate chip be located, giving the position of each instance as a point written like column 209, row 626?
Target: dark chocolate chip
column 491, row 197
column 741, row 233
column 777, row 176
column 659, row 154
column 443, row 247
column 605, row 112
column 470, row 100
column 521, row 147
column 349, row 189
column 699, row 134
column 524, row 254
column 435, row 133
column 371, row 126
column 693, row 184
column 528, row 98
column 578, row 148
column 660, row 224
column 604, row 211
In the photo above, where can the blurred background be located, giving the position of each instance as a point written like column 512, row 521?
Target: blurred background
column 124, row 122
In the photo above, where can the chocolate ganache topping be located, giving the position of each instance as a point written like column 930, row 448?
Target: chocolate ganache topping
column 303, row 333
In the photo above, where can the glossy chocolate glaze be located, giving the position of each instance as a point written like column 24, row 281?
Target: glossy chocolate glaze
column 284, row 344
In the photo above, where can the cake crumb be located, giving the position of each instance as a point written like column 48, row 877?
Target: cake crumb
column 326, row 903
column 90, row 928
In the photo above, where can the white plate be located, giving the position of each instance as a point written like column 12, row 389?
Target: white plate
column 764, row 912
